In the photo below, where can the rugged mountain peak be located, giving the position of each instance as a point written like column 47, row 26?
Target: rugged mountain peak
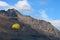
column 30, row 27
column 15, row 15
column 13, row 11
column 10, row 12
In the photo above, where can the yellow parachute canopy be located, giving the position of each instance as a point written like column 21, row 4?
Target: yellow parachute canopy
column 16, row 26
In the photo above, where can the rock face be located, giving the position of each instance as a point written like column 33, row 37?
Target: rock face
column 31, row 29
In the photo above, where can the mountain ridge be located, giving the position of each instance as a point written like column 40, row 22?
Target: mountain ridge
column 29, row 26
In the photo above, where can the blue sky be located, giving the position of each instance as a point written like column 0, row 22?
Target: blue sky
column 11, row 2
column 52, row 7
column 48, row 10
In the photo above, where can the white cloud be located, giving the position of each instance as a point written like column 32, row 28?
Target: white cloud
column 23, row 5
column 42, row 12
column 20, row 5
column 3, row 3
column 43, row 15
column 56, row 23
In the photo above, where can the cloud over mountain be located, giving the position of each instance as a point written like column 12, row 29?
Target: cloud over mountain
column 26, row 7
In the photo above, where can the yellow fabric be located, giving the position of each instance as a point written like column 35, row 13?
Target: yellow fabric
column 16, row 26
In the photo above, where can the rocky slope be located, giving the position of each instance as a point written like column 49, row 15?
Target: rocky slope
column 31, row 29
